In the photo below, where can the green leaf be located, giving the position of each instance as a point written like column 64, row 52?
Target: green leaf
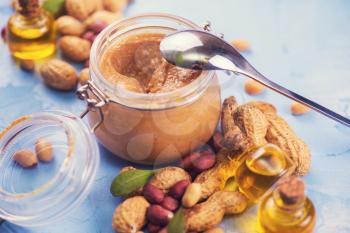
column 177, row 223
column 54, row 6
column 130, row 181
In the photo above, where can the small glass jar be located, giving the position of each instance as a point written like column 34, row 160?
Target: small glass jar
column 151, row 128
column 42, row 194
column 259, row 169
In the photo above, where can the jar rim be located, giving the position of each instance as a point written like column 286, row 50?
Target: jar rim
column 41, row 193
column 147, row 101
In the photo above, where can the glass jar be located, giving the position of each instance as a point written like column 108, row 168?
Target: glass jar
column 259, row 169
column 150, row 128
column 43, row 194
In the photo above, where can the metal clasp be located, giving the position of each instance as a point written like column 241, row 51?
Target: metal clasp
column 94, row 103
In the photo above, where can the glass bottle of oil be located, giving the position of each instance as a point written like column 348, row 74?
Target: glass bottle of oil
column 287, row 209
column 259, row 170
column 31, row 31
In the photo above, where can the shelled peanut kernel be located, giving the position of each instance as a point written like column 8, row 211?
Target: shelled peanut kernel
column 43, row 149
column 25, row 158
column 192, row 195
column 252, row 87
column 298, row 108
column 241, row 45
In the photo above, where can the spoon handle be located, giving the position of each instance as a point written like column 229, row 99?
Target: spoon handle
column 290, row 94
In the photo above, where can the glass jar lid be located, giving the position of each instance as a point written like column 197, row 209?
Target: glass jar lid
column 41, row 194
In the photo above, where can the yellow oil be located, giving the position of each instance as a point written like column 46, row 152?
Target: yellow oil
column 276, row 217
column 31, row 37
column 260, row 169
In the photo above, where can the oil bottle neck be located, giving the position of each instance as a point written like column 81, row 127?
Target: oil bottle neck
column 29, row 8
column 288, row 205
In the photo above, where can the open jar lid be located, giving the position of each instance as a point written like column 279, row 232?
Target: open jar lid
column 41, row 194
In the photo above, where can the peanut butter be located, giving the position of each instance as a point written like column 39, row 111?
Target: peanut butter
column 137, row 63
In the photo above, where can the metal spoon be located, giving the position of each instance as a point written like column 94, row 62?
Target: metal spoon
column 196, row 49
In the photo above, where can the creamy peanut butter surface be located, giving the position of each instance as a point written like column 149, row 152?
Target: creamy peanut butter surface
column 137, row 64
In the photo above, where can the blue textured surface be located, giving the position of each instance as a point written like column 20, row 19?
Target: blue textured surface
column 304, row 45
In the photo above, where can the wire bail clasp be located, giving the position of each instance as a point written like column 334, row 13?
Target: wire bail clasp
column 94, row 103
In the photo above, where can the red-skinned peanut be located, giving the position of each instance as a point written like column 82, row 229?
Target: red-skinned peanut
column 152, row 228
column 170, row 203
column 153, row 194
column 178, row 190
column 158, row 215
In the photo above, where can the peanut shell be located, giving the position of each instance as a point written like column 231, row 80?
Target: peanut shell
column 75, row 48
column 80, row 9
column 130, row 216
column 68, row 25
column 84, row 76
column 167, row 177
column 115, row 5
column 105, row 16
column 208, row 214
column 59, row 75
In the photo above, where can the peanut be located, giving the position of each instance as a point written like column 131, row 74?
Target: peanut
column 89, row 35
column 97, row 26
column 192, row 195
column 163, row 230
column 204, row 162
column 25, row 158
column 210, row 213
column 105, row 16
column 80, row 9
column 158, row 215
column 282, row 135
column 84, row 76
column 152, row 228
column 252, row 87
column 130, row 216
column 241, row 45
column 87, row 63
column 298, row 108
column 167, row 177
column 243, row 126
column 43, row 149
column 170, row 203
column 214, row 230
column 268, row 109
column 187, row 162
column 59, row 75
column 115, row 5
column 75, row 48
column 153, row 194
column 214, row 179
column 27, row 65
column 178, row 189
column 68, row 25
column 217, row 141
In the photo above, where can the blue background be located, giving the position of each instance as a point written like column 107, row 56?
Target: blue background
column 302, row 44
